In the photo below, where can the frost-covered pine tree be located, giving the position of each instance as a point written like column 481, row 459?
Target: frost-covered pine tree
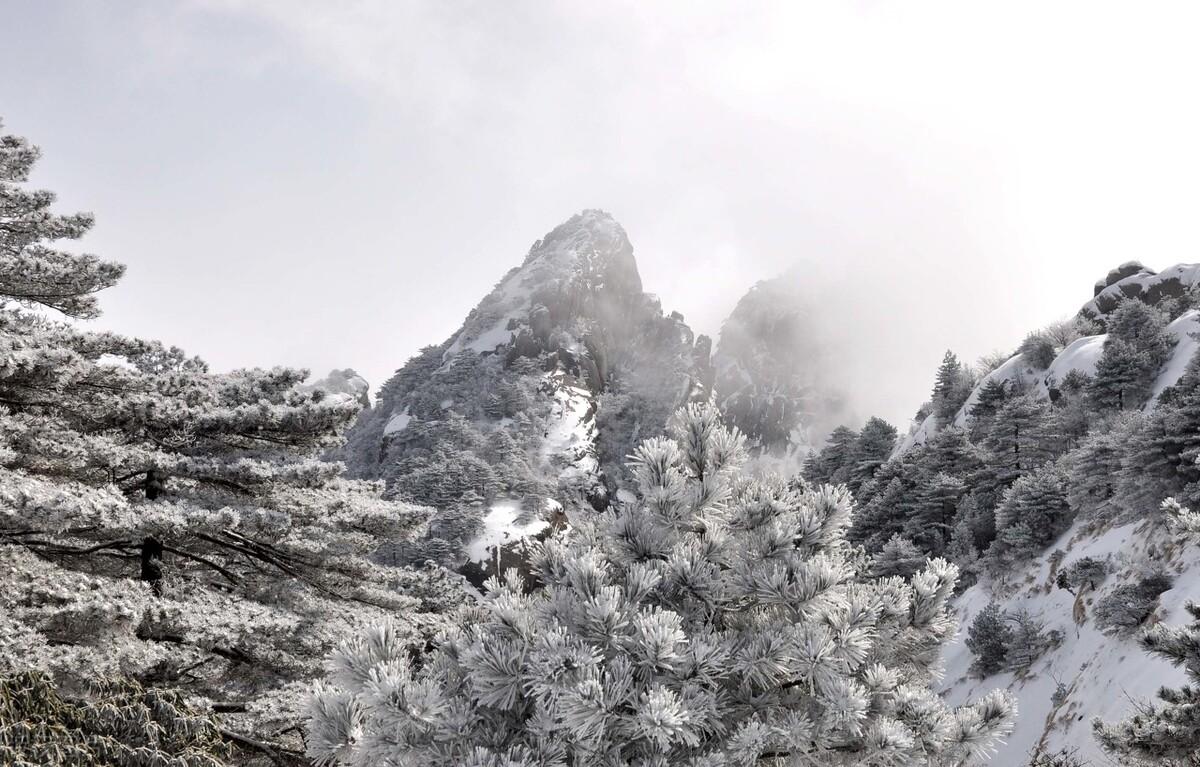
column 1094, row 470
column 899, row 556
column 952, row 386
column 992, row 395
column 1033, row 513
column 158, row 520
column 871, row 450
column 717, row 621
column 1016, row 442
column 1136, row 347
column 1167, row 733
column 834, row 459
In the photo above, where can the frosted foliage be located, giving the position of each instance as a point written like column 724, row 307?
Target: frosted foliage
column 160, row 521
column 1167, row 732
column 716, row 621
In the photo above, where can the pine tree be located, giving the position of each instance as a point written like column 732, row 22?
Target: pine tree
column 883, row 516
column 1029, row 641
column 951, row 388
column 1136, row 347
column 1038, row 504
column 1124, row 609
column 717, row 621
column 871, row 450
column 897, row 557
column 931, row 522
column 1039, row 350
column 992, row 395
column 1159, row 457
column 950, row 452
column 1016, row 440
column 1094, row 470
column 1166, row 734
column 962, row 551
column 988, row 638
column 832, row 460
column 158, row 520
column 1085, row 573
column 115, row 723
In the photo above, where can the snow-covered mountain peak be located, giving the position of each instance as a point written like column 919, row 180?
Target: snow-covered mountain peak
column 537, row 399
column 582, row 271
column 594, row 245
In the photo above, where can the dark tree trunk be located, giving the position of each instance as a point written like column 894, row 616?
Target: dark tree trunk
column 152, row 561
column 154, row 484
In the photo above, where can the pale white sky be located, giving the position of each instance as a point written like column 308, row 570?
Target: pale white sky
column 337, row 184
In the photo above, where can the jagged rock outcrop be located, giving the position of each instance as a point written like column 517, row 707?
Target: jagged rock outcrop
column 1134, row 280
column 538, row 398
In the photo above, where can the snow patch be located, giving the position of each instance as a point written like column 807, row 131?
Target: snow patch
column 398, row 422
column 1104, row 675
column 1186, row 329
column 1081, row 355
column 500, row 526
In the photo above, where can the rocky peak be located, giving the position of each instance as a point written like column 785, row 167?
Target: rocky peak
column 534, row 403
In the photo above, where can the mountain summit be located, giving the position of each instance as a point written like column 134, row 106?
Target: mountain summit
column 529, row 410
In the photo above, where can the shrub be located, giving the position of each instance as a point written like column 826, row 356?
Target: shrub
column 1086, row 572
column 1127, row 607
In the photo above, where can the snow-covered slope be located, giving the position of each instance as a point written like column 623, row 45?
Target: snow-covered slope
column 1091, row 673
column 538, row 397
column 1015, row 370
column 1103, row 674
column 1080, row 355
column 1186, row 330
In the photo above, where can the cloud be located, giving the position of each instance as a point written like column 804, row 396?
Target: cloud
column 953, row 174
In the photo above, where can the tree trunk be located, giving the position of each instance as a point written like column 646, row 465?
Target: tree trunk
column 152, row 560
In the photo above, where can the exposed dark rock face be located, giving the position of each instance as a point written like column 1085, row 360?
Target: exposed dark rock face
column 1133, row 280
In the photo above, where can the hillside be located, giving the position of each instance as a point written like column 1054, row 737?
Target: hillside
column 1035, row 468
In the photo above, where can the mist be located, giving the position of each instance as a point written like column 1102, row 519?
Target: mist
column 339, row 184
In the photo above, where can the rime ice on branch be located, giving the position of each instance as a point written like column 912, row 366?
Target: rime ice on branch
column 718, row 620
column 159, row 520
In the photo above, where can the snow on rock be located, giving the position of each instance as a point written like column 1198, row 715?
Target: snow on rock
column 1081, row 355
column 591, row 248
column 398, row 422
column 501, row 525
column 570, row 444
column 1186, row 330
column 1104, row 675
column 345, row 383
column 509, row 406
column 1132, row 280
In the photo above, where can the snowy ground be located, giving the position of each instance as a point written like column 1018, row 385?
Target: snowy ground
column 501, row 525
column 1103, row 674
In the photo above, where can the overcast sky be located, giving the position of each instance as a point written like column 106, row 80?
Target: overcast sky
column 338, row 184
